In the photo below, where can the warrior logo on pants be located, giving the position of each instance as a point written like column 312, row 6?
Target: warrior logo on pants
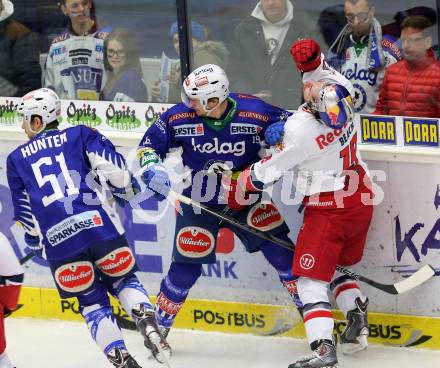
column 307, row 261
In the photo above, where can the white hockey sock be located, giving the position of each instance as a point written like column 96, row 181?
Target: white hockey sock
column 345, row 293
column 318, row 319
column 130, row 293
column 103, row 327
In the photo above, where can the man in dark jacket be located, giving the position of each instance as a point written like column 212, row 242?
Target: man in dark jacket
column 20, row 70
column 260, row 62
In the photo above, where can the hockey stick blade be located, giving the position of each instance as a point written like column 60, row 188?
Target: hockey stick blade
column 125, row 323
column 416, row 279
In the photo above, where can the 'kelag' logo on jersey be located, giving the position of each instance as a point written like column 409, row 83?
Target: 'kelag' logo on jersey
column 421, row 132
column 378, row 129
column 237, row 148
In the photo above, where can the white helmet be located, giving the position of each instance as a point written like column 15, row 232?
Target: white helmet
column 335, row 106
column 42, row 102
column 207, row 81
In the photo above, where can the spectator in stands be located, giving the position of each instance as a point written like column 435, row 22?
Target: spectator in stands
column 75, row 63
column 331, row 21
column 123, row 69
column 204, row 52
column 411, row 87
column 20, row 70
column 361, row 53
column 260, row 57
column 42, row 17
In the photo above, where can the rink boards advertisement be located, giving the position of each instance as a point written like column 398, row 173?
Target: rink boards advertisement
column 240, row 292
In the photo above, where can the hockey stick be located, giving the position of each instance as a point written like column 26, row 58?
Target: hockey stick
column 22, row 261
column 416, row 279
column 26, row 258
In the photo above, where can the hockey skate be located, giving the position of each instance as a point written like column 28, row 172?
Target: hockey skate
column 324, row 356
column 354, row 337
column 116, row 357
column 154, row 340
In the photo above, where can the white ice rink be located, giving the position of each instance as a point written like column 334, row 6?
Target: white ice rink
column 56, row 344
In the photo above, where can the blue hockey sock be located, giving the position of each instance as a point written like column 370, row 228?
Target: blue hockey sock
column 174, row 290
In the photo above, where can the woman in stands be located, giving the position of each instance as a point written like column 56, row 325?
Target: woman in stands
column 124, row 73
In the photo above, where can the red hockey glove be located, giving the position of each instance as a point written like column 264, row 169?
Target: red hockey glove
column 248, row 182
column 307, row 54
column 234, row 195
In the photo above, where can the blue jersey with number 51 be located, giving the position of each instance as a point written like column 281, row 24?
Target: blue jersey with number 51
column 55, row 182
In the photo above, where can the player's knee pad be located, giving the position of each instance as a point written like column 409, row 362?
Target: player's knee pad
column 312, row 291
column 103, row 327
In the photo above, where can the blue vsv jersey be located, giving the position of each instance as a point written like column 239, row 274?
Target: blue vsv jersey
column 233, row 146
column 55, row 183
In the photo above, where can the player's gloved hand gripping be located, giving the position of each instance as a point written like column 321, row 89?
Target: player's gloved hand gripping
column 307, row 54
column 248, row 181
column 157, row 179
column 274, row 133
column 33, row 242
column 154, row 176
column 233, row 193
column 120, row 194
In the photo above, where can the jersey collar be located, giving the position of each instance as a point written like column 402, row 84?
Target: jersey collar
column 219, row 124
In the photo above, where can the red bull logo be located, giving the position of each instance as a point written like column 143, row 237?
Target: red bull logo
column 333, row 114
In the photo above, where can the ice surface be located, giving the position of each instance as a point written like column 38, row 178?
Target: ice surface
column 60, row 344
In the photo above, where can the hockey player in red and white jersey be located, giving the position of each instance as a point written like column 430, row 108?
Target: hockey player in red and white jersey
column 320, row 143
column 11, row 278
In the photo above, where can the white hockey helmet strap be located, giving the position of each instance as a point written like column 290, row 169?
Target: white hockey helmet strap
column 42, row 102
column 207, row 81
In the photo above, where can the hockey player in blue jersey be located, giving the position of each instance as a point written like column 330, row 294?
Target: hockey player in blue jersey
column 218, row 132
column 53, row 180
